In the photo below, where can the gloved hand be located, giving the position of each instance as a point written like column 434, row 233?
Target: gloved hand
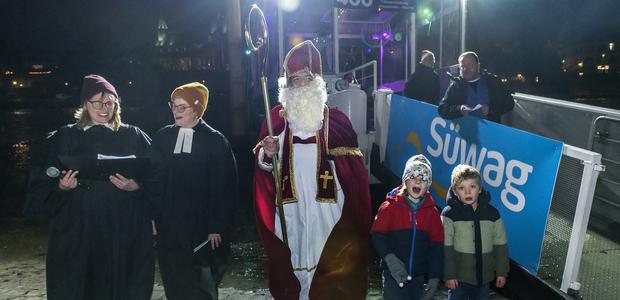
column 430, row 289
column 397, row 269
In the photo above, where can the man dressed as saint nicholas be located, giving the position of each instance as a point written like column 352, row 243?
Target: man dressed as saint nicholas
column 325, row 190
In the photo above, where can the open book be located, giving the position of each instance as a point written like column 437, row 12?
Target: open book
column 103, row 166
column 104, row 157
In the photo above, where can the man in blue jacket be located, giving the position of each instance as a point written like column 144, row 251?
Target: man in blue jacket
column 475, row 93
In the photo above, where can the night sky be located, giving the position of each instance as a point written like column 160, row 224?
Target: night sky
column 562, row 22
column 42, row 30
column 50, row 30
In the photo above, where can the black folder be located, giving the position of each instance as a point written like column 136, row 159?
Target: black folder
column 101, row 169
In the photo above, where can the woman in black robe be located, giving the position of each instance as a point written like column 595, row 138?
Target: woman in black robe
column 100, row 243
column 195, row 195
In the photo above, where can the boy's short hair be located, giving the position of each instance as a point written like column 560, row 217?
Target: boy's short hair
column 462, row 172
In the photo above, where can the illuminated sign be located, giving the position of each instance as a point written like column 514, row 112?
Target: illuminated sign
column 399, row 5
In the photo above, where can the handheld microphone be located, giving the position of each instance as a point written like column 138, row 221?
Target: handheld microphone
column 52, row 172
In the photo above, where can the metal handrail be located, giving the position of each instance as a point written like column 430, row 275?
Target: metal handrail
column 593, row 128
column 372, row 63
column 591, row 168
column 567, row 104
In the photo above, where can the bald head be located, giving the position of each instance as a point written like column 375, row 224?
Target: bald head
column 469, row 66
column 427, row 58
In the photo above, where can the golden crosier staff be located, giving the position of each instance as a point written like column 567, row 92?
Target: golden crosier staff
column 255, row 43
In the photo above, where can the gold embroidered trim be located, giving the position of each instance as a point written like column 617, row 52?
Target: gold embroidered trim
column 346, row 151
column 319, row 149
column 318, row 161
column 326, row 200
column 305, row 269
column 290, row 168
column 289, row 201
column 326, row 122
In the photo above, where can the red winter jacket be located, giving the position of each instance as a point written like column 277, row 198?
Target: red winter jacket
column 394, row 230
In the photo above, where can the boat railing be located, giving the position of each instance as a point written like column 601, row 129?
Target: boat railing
column 573, row 243
column 353, row 73
column 585, row 208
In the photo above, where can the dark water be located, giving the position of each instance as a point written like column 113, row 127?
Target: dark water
column 607, row 102
column 21, row 131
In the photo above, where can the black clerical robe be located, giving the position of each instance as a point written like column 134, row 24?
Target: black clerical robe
column 194, row 194
column 100, row 243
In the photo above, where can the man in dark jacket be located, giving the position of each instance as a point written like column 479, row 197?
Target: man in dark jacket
column 423, row 84
column 479, row 94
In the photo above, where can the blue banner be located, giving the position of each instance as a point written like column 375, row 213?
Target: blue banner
column 518, row 168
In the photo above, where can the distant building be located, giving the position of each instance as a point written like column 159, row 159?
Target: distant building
column 592, row 59
column 164, row 37
column 189, row 50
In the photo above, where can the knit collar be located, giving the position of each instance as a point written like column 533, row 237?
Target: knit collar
column 107, row 125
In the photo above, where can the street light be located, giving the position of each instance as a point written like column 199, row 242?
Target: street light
column 463, row 23
column 288, row 5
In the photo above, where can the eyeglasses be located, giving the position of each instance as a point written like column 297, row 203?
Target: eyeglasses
column 101, row 104
column 177, row 108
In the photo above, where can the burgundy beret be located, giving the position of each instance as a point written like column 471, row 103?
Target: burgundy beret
column 95, row 84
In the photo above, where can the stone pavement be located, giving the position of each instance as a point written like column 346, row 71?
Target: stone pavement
column 24, row 279
column 22, row 268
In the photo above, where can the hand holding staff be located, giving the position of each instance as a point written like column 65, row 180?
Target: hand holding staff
column 257, row 40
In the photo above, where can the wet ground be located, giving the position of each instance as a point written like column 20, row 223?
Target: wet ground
column 22, row 267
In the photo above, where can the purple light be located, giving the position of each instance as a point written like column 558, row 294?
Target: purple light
column 383, row 36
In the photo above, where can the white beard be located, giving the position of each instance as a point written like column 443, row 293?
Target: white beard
column 304, row 105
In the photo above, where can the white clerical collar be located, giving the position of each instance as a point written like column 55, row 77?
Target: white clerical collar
column 184, row 140
column 93, row 125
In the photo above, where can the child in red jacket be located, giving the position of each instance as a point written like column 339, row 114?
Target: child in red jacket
column 408, row 235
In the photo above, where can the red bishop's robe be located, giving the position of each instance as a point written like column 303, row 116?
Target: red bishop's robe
column 342, row 271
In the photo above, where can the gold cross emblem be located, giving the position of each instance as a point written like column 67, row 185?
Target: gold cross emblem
column 325, row 178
